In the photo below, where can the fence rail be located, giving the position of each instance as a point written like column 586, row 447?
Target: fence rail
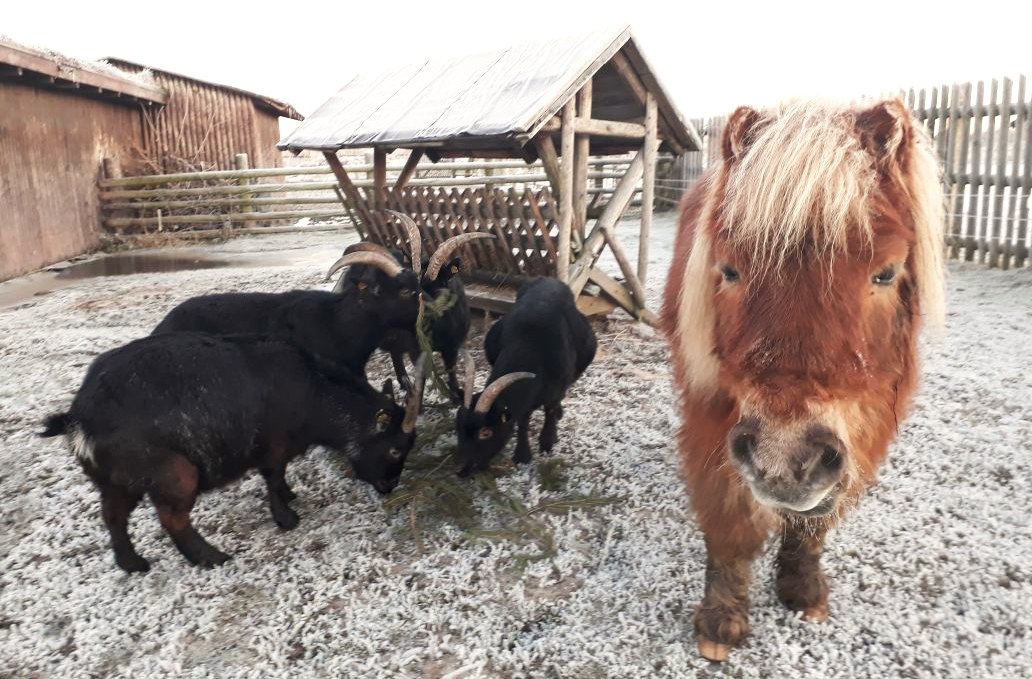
column 982, row 133
column 219, row 199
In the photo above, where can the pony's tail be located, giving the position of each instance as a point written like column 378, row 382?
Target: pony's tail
column 56, row 425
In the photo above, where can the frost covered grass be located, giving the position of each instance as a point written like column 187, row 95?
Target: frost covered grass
column 585, row 563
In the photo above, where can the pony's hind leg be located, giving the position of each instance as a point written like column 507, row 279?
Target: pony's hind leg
column 116, row 504
column 174, row 493
column 801, row 584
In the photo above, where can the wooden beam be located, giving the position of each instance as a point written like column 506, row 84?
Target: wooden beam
column 550, row 161
column 581, row 151
column 554, row 124
column 648, row 185
column 379, row 177
column 633, row 284
column 615, row 291
column 566, row 192
column 610, row 128
column 614, row 210
column 407, row 172
column 349, row 188
column 627, row 72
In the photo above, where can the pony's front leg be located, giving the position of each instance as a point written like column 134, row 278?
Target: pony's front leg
column 722, row 619
column 800, row 583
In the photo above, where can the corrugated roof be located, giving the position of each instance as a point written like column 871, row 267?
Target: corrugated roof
column 500, row 98
column 276, row 106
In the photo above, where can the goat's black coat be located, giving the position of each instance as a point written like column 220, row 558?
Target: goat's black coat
column 447, row 332
column 544, row 334
column 176, row 414
column 343, row 328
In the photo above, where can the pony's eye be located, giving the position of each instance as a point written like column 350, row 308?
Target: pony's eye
column 729, row 273
column 485, row 433
column 885, row 276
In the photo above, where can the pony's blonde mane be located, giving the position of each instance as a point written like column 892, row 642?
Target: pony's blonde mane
column 806, row 177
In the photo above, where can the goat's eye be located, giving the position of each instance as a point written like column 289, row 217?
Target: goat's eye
column 885, row 276
column 383, row 419
column 485, row 433
column 407, row 292
column 729, row 273
column 361, row 285
column 394, row 454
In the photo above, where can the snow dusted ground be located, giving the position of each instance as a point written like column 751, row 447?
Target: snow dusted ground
column 932, row 576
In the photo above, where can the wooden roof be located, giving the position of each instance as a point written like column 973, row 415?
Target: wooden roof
column 275, row 106
column 494, row 101
column 51, row 70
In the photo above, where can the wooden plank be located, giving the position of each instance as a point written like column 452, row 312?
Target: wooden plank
column 543, row 226
column 518, row 206
column 610, row 128
column 379, row 177
column 117, row 222
column 632, row 282
column 409, row 169
column 971, row 243
column 347, row 186
column 1015, row 238
column 648, row 188
column 987, row 168
column 622, row 65
column 610, row 216
column 962, row 124
column 612, row 289
column 997, row 251
column 549, row 160
column 566, row 191
column 581, row 151
column 1026, row 184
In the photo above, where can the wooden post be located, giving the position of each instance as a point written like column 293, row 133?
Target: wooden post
column 346, row 184
column 582, row 149
column 648, row 184
column 612, row 213
column 409, row 170
column 240, row 163
column 566, row 191
column 633, row 283
column 550, row 162
column 379, row 177
column 112, row 168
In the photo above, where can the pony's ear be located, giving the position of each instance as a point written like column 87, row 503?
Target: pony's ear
column 885, row 130
column 740, row 132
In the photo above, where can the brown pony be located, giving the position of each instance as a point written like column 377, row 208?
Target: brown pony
column 804, row 265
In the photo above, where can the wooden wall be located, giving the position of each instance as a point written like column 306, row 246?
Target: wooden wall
column 51, row 146
column 205, row 126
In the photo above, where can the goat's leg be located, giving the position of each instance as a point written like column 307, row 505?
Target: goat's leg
column 116, row 504
column 398, row 360
column 522, row 453
column 275, row 479
column 801, row 584
column 174, row 493
column 450, row 358
column 550, row 430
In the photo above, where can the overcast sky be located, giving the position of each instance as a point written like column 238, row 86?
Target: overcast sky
column 712, row 57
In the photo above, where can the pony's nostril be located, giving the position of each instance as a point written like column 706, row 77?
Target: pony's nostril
column 831, row 459
column 743, row 446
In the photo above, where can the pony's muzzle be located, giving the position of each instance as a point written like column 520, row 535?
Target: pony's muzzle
column 794, row 468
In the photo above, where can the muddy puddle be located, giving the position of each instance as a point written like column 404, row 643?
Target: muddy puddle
column 20, row 290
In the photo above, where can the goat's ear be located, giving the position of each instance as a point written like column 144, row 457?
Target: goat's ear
column 388, row 389
column 740, row 132
column 886, row 132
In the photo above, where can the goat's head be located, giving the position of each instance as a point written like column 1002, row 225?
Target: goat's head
column 484, row 422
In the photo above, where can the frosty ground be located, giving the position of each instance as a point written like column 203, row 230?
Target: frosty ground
column 931, row 577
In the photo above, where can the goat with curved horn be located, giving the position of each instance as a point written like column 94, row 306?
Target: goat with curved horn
column 383, row 262
column 367, row 246
column 495, row 389
column 415, row 239
column 444, row 252
column 469, row 375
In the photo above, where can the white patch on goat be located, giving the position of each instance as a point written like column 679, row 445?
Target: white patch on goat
column 81, row 444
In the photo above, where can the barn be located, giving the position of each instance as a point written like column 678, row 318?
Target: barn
column 61, row 118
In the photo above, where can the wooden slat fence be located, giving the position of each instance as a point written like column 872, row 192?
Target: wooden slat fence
column 982, row 132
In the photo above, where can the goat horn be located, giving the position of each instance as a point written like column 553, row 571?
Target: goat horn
column 445, row 250
column 415, row 240
column 366, row 246
column 387, row 264
column 469, row 375
column 414, row 398
column 495, row 389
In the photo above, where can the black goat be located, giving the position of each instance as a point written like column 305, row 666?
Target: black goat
column 449, row 330
column 536, row 351
column 174, row 415
column 343, row 328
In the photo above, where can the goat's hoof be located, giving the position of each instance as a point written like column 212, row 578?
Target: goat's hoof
column 287, row 519
column 521, row 457
column 817, row 613
column 711, row 650
column 287, row 494
column 212, row 559
column 132, row 563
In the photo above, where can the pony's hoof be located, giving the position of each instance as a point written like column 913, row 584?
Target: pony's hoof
column 817, row 613
column 711, row 650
